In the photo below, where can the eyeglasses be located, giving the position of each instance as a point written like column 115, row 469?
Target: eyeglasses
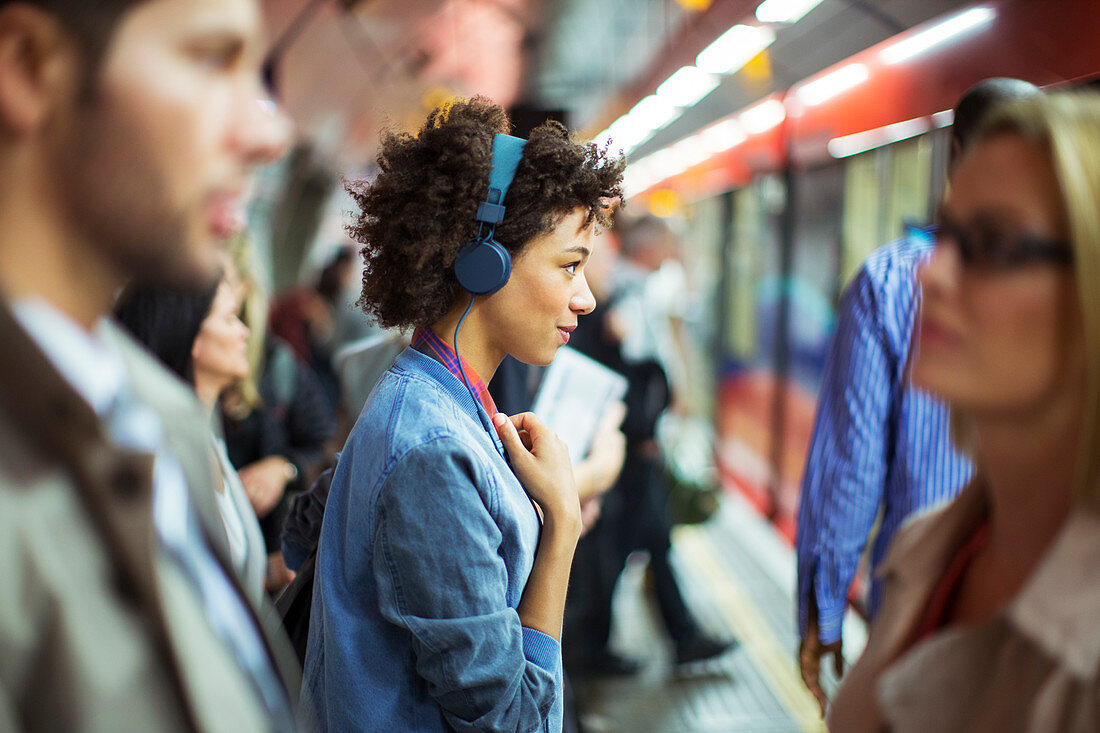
column 991, row 245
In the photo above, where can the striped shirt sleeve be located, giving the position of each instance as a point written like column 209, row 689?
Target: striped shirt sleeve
column 845, row 476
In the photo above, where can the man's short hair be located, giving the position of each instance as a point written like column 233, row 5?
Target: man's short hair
column 635, row 235
column 90, row 22
column 979, row 100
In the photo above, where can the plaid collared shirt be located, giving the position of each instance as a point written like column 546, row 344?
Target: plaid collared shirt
column 426, row 338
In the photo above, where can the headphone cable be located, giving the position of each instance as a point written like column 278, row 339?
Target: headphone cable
column 458, row 356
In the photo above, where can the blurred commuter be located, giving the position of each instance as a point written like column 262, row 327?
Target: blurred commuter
column 634, row 513
column 277, row 421
column 650, row 293
column 199, row 337
column 310, row 319
column 128, row 130
column 879, row 446
column 989, row 616
column 438, row 597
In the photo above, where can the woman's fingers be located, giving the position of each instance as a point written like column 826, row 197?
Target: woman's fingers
column 530, row 428
column 541, row 463
column 528, row 421
column 509, row 435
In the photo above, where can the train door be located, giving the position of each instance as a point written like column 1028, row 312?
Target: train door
column 702, row 246
column 751, row 259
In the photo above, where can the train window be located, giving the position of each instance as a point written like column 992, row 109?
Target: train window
column 937, row 180
column 702, row 246
column 908, row 192
column 862, row 211
column 752, row 252
column 884, row 189
column 811, row 286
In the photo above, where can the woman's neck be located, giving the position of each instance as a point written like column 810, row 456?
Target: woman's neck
column 208, row 388
column 474, row 346
column 1029, row 464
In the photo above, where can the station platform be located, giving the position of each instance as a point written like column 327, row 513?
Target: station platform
column 738, row 577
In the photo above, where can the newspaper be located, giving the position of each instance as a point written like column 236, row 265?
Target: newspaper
column 574, row 394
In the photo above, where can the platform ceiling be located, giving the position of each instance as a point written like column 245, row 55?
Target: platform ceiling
column 344, row 68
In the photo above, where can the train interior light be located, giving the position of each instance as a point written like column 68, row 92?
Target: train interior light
column 834, row 83
column 763, row 116
column 946, row 30
column 687, row 86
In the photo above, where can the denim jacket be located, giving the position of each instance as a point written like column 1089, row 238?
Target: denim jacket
column 427, row 543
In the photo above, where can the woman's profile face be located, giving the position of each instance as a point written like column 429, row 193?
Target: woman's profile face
column 221, row 348
column 532, row 316
column 992, row 336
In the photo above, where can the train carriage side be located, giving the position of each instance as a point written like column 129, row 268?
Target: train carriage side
column 776, row 225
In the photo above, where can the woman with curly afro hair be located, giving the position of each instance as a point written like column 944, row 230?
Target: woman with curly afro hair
column 450, row 528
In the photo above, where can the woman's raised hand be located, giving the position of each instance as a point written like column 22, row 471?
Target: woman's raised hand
column 541, row 462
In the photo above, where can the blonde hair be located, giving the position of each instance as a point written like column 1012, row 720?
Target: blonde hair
column 1067, row 126
column 244, row 397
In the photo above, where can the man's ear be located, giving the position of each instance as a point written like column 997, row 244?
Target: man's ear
column 954, row 156
column 37, row 65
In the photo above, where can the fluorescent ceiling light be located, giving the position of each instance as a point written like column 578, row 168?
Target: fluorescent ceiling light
column 665, row 163
column 628, row 133
column 784, row 11
column 637, row 178
column 687, row 86
column 861, row 142
column 734, row 48
column 723, row 136
column 640, row 170
column 652, row 113
column 929, row 38
column 631, row 188
column 832, row 84
column 691, row 151
column 638, row 125
column 763, row 116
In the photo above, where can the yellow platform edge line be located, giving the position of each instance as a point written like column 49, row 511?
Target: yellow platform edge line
column 778, row 670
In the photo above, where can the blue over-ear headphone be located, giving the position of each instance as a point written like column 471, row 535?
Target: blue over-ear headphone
column 483, row 266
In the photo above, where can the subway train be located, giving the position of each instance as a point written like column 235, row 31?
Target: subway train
column 782, row 200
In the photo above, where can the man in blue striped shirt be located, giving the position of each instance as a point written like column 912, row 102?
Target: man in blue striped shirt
column 879, row 445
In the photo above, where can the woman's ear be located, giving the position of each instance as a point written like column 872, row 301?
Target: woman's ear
column 38, row 67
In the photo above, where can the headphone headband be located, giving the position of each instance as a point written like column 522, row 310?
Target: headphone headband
column 507, row 152
column 483, row 266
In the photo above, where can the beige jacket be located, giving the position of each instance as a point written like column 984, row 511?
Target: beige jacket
column 1035, row 668
column 98, row 632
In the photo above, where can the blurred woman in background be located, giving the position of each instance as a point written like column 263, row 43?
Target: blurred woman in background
column 200, row 338
column 989, row 620
column 277, row 421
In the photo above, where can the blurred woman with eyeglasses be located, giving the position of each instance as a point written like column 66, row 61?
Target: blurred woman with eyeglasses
column 991, row 607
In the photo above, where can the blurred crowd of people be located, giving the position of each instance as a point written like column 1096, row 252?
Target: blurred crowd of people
column 178, row 450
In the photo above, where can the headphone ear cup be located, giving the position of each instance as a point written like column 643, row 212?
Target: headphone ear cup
column 483, row 267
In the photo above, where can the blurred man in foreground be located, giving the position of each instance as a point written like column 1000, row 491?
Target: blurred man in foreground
column 127, row 132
